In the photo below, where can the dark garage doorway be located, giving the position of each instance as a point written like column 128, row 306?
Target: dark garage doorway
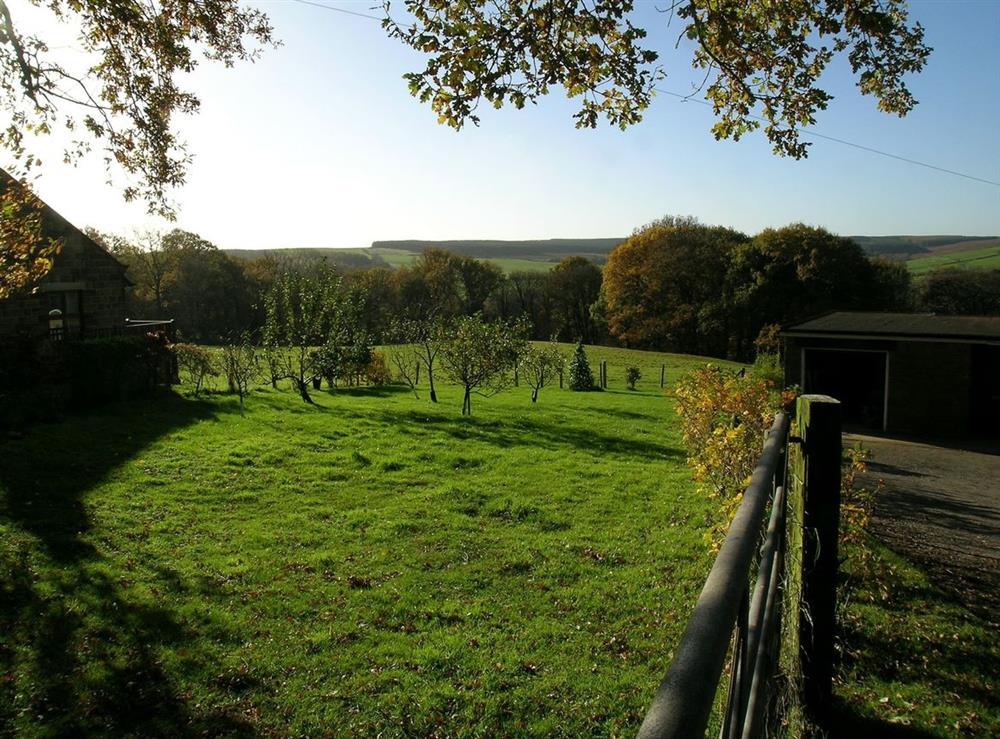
column 856, row 378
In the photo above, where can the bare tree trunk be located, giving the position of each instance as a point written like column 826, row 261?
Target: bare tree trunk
column 467, row 403
column 430, row 382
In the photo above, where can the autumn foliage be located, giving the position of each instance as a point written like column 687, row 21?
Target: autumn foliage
column 725, row 417
column 662, row 287
column 26, row 252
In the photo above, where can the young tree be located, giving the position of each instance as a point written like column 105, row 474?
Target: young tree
column 347, row 349
column 541, row 365
column 426, row 336
column 196, row 362
column 580, row 376
column 479, row 356
column 632, row 376
column 407, row 363
column 298, row 308
column 241, row 366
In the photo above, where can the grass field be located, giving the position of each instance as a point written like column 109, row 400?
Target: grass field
column 375, row 564
column 378, row 565
column 915, row 663
column 986, row 258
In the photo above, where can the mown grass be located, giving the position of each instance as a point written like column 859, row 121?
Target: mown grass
column 985, row 258
column 914, row 662
column 372, row 565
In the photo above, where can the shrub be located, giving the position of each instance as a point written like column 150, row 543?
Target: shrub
column 196, row 362
column 768, row 341
column 242, row 366
column 632, row 376
column 580, row 376
column 725, row 417
column 768, row 367
column 29, row 389
column 114, row 368
column 377, row 371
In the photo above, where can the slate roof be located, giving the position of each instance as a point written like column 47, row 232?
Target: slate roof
column 56, row 226
column 850, row 324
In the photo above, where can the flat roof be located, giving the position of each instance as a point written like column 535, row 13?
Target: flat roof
column 906, row 326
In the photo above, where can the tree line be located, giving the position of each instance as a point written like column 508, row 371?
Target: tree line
column 675, row 284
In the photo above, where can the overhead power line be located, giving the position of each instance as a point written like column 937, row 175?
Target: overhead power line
column 338, row 10
column 807, row 131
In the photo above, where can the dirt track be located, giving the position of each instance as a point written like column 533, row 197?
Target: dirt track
column 941, row 509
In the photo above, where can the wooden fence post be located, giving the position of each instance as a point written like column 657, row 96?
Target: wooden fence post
column 417, row 381
column 813, row 532
column 663, row 372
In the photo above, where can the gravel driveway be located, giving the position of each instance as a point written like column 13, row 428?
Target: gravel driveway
column 941, row 509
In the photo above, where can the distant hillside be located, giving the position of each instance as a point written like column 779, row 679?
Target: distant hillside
column 549, row 250
column 337, row 257
column 543, row 254
column 911, row 247
column 987, row 257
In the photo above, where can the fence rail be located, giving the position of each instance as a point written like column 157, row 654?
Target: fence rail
column 732, row 612
column 684, row 700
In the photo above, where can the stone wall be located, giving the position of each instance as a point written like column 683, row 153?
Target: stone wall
column 82, row 268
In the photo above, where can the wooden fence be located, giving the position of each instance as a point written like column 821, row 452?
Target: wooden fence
column 770, row 588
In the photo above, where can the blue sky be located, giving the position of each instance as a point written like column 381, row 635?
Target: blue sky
column 320, row 144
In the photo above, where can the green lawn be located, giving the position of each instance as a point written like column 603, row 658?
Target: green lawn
column 915, row 662
column 373, row 564
column 986, row 258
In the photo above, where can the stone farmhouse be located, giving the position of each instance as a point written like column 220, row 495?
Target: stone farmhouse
column 82, row 295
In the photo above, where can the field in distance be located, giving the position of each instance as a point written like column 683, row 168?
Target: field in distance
column 983, row 257
column 543, row 254
column 372, row 564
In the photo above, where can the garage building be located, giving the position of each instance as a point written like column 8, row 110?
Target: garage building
column 905, row 373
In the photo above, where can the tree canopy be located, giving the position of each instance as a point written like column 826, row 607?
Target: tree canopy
column 762, row 60
column 127, row 95
column 663, row 285
column 677, row 284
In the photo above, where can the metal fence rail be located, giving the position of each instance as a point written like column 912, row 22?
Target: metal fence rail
column 683, row 702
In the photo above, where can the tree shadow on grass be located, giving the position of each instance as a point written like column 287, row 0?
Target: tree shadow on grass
column 897, row 645
column 524, row 431
column 368, row 391
column 849, row 724
column 44, row 474
column 80, row 650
